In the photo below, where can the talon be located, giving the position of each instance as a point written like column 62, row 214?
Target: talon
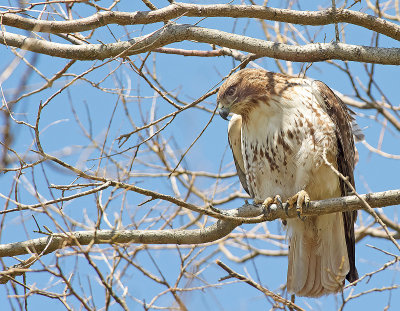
column 301, row 199
column 266, row 204
column 268, row 201
column 302, row 218
column 278, row 201
column 287, row 206
column 287, row 210
column 307, row 202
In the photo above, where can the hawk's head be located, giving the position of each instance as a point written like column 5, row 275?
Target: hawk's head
column 249, row 89
column 243, row 91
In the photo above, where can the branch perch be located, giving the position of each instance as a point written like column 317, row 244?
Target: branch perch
column 249, row 212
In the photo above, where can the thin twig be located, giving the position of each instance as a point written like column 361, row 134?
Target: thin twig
column 262, row 289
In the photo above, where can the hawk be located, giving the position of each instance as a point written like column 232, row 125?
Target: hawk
column 282, row 131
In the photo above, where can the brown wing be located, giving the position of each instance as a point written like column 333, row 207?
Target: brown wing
column 235, row 142
column 339, row 114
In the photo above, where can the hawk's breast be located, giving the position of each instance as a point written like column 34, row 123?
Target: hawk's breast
column 282, row 150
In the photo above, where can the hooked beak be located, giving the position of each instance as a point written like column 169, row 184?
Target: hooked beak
column 224, row 112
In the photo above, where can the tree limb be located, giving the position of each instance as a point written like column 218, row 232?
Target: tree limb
column 176, row 10
column 221, row 228
column 171, row 33
column 172, row 236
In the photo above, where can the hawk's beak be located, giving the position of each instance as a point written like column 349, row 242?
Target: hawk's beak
column 224, row 112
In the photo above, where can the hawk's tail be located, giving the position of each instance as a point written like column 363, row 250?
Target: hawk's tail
column 318, row 260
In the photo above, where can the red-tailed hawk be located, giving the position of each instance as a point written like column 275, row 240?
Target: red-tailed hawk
column 279, row 132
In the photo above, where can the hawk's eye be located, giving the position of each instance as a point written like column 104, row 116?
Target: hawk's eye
column 230, row 91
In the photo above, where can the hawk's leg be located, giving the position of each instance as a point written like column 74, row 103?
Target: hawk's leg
column 269, row 201
column 301, row 199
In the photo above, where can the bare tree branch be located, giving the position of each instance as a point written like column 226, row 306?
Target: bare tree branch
column 172, row 236
column 171, row 33
column 262, row 289
column 214, row 232
column 176, row 10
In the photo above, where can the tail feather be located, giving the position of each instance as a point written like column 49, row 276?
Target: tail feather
column 311, row 275
column 348, row 220
column 318, row 260
column 317, row 280
column 335, row 258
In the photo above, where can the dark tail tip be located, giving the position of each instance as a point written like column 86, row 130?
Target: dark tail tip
column 352, row 276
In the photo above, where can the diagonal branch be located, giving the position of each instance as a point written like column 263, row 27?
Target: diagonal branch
column 262, row 289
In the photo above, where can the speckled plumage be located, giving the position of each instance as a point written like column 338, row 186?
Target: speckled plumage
column 278, row 134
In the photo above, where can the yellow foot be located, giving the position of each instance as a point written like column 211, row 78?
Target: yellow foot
column 269, row 201
column 301, row 199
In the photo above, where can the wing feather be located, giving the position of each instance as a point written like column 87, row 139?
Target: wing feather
column 341, row 117
column 235, row 142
